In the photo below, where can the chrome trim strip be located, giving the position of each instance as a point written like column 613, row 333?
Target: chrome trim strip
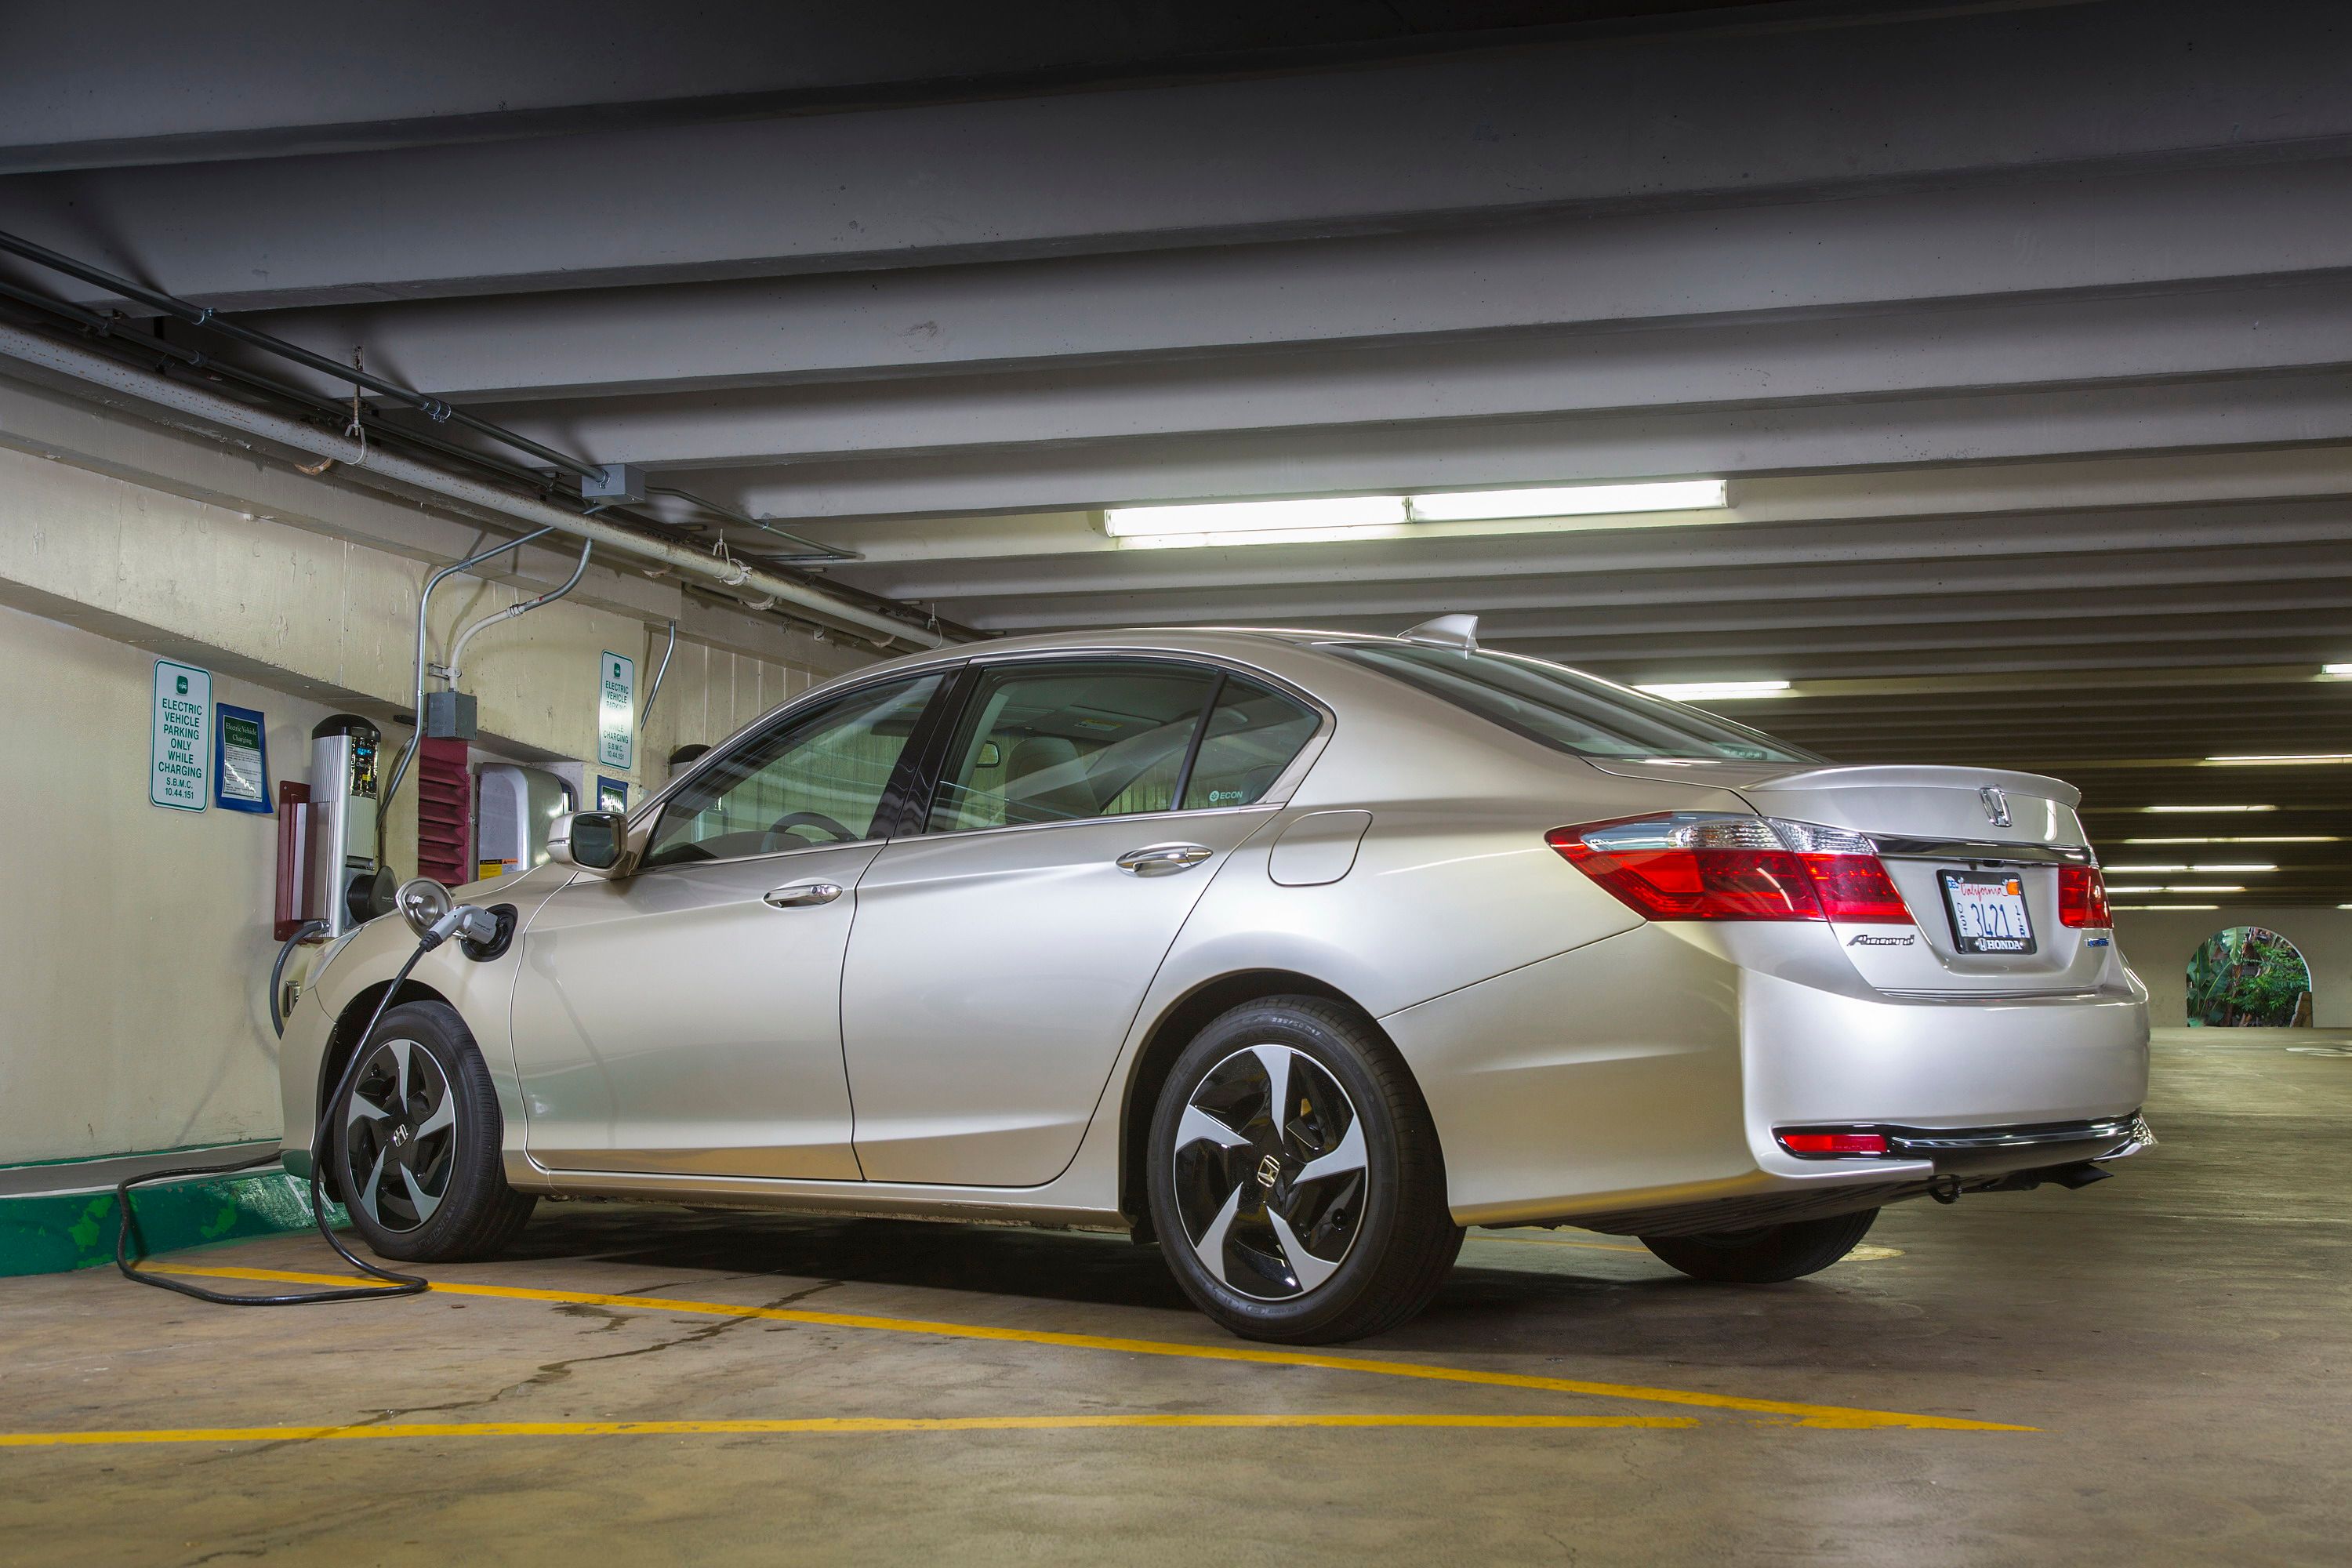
column 1982, row 853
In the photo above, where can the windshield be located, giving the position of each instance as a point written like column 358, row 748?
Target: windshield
column 1567, row 710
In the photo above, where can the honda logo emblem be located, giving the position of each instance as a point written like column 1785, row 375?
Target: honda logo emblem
column 1996, row 806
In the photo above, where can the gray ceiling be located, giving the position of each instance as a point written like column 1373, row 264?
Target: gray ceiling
column 2022, row 332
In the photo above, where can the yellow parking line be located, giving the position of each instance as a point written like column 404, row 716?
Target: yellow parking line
column 1786, row 1411
column 816, row 1424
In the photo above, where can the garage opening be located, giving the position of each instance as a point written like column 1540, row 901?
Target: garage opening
column 2249, row 977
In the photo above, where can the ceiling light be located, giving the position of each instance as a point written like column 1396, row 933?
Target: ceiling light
column 2114, row 892
column 2274, row 838
column 2142, row 870
column 1311, row 519
column 2198, row 887
column 2154, row 908
column 1256, row 516
column 1569, row 500
column 2279, row 759
column 2249, row 866
column 1715, row 690
column 2209, row 808
column 2342, row 672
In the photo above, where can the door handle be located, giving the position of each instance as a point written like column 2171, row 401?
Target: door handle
column 801, row 895
column 1163, row 859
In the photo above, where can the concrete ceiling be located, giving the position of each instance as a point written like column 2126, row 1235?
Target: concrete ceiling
column 2021, row 331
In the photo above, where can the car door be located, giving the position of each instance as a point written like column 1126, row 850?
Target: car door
column 685, row 1018
column 1001, row 954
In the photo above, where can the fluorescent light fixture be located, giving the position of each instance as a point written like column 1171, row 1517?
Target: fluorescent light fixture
column 2143, row 870
column 2198, row 887
column 1567, row 500
column 1309, row 519
column 2128, row 892
column 2157, row 908
column 1314, row 512
column 1715, row 690
column 2164, row 808
column 2342, row 672
column 2279, row 759
column 2272, row 838
column 2249, row 866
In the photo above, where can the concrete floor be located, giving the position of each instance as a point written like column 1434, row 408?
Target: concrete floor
column 2182, row 1337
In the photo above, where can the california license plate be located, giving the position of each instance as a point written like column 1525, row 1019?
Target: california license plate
column 1988, row 912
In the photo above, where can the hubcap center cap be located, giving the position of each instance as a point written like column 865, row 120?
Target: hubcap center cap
column 400, row 1137
column 1269, row 1171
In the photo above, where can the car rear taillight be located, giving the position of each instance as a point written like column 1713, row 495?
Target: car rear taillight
column 2082, row 897
column 1712, row 866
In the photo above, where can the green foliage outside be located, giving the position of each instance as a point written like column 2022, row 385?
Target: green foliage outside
column 2246, row 976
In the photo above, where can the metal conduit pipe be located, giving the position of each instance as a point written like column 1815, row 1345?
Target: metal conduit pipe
column 806, row 600
column 457, row 649
column 645, row 714
column 424, row 605
column 195, row 315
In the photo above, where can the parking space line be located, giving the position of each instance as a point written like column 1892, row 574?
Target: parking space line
column 823, row 1423
column 1781, row 1412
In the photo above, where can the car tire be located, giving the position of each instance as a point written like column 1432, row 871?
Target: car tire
column 1329, row 1225
column 417, row 1145
column 1765, row 1256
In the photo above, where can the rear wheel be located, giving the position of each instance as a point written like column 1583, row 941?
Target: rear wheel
column 416, row 1147
column 1296, row 1181
column 1766, row 1256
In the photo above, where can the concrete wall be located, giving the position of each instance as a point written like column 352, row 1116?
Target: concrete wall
column 2157, row 944
column 132, row 988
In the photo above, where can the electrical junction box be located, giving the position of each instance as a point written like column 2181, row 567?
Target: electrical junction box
column 449, row 716
column 515, row 807
column 618, row 484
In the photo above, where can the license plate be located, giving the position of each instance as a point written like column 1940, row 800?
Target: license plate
column 1988, row 912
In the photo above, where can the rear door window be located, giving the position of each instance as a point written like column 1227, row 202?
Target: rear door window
column 1064, row 742
column 1252, row 737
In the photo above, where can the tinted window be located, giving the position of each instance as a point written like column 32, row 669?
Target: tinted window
column 1057, row 743
column 1251, row 738
column 818, row 779
column 1563, row 709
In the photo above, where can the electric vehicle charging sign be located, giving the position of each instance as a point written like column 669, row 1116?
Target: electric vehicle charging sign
column 240, row 760
column 617, row 710
column 180, row 760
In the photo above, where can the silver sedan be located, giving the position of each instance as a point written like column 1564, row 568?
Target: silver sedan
column 1294, row 952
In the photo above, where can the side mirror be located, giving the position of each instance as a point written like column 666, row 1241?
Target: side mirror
column 589, row 839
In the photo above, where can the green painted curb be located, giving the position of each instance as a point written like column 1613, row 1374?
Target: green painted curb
column 52, row 1233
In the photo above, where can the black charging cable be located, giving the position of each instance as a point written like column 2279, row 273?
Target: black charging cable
column 321, row 1141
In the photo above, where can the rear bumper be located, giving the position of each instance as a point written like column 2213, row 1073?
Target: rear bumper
column 1645, row 1075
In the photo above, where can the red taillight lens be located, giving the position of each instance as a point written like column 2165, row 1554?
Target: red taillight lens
column 1833, row 1143
column 1694, row 866
column 2082, row 897
column 1856, row 888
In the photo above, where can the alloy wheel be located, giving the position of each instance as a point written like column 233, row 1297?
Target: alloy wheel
column 1270, row 1173
column 400, row 1136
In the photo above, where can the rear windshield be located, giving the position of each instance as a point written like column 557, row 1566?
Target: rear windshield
column 1566, row 710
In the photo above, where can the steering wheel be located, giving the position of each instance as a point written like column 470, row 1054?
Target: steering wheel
column 815, row 819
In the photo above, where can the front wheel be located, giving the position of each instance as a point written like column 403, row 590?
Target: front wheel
column 1766, row 1256
column 416, row 1145
column 1296, row 1181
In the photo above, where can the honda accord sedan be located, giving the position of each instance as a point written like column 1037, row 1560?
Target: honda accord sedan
column 1290, row 953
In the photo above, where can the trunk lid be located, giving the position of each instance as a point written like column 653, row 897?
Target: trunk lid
column 1934, row 825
